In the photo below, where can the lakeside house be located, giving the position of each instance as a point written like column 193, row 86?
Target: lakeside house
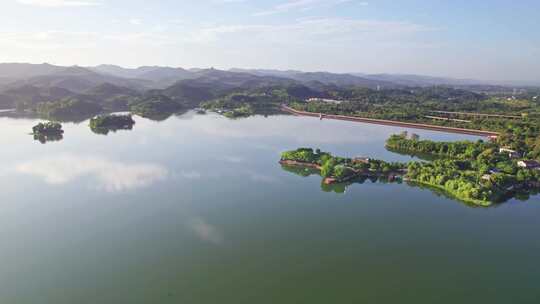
column 529, row 164
column 489, row 176
column 511, row 153
column 360, row 160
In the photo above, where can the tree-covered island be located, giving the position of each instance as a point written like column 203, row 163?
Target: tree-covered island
column 155, row 107
column 102, row 124
column 479, row 173
column 338, row 169
column 49, row 131
column 239, row 105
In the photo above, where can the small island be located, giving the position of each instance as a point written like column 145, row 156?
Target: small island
column 241, row 105
column 68, row 109
column 237, row 112
column 156, row 107
column 478, row 173
column 339, row 169
column 102, row 124
column 49, row 131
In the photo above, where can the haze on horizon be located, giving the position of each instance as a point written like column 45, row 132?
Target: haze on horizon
column 490, row 40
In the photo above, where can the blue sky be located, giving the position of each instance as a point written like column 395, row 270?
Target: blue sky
column 496, row 40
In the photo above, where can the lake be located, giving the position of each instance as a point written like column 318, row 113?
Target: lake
column 196, row 209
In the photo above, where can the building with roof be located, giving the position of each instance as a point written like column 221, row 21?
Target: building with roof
column 529, row 164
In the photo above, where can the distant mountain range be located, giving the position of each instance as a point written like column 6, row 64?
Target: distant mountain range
column 113, row 87
column 80, row 79
column 383, row 80
column 80, row 92
column 422, row 81
column 76, row 79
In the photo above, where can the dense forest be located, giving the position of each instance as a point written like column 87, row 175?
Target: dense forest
column 103, row 124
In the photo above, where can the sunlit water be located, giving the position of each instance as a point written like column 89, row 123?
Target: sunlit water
column 196, row 209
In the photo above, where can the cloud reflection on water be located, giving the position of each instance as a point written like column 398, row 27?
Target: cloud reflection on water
column 191, row 174
column 111, row 176
column 303, row 130
column 205, row 231
column 300, row 129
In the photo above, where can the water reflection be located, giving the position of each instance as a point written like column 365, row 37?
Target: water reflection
column 261, row 178
column 157, row 116
column 205, row 231
column 303, row 130
column 70, row 117
column 283, row 127
column 221, row 202
column 107, row 130
column 13, row 114
column 191, row 174
column 42, row 138
column 341, row 188
column 162, row 115
column 300, row 171
column 231, row 159
column 305, row 172
column 110, row 176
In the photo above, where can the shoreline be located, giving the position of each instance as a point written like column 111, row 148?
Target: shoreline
column 333, row 180
column 474, row 202
column 394, row 174
column 391, row 123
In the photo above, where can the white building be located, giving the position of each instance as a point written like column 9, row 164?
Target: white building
column 529, row 164
column 511, row 153
column 334, row 101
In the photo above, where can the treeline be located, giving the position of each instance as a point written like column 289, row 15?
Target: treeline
column 456, row 178
column 465, row 181
column 340, row 167
column 67, row 108
column 457, row 150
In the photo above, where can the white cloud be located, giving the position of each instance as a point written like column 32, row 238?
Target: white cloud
column 298, row 44
column 135, row 21
column 191, row 174
column 232, row 159
column 55, row 40
column 321, row 31
column 229, row 1
column 304, row 5
column 290, row 130
column 60, row 3
column 313, row 30
column 48, row 40
column 109, row 175
column 261, row 178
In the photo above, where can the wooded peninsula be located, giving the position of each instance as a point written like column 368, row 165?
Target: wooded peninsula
column 479, row 173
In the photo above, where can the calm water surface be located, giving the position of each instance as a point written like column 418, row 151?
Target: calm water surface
column 196, row 209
